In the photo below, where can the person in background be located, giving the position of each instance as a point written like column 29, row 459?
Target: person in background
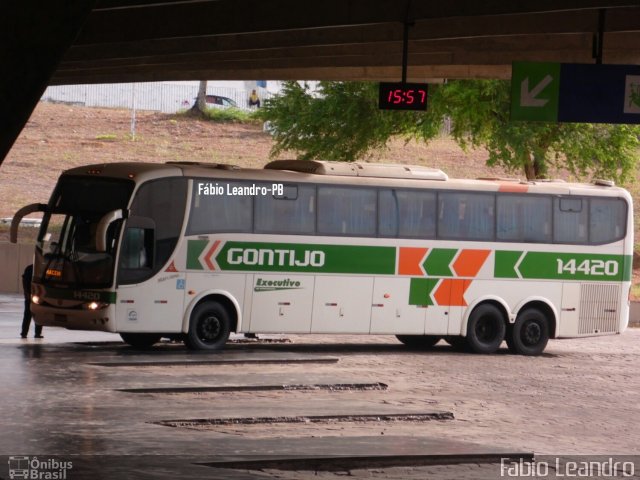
column 254, row 100
column 26, row 319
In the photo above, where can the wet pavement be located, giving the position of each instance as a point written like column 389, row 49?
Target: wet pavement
column 78, row 395
column 359, row 404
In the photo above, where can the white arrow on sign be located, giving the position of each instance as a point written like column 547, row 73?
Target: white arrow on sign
column 528, row 97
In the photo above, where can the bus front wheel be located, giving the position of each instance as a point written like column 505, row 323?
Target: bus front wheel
column 418, row 341
column 530, row 333
column 140, row 340
column 209, row 327
column 486, row 329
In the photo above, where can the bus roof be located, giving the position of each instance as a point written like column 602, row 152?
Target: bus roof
column 357, row 173
column 359, row 169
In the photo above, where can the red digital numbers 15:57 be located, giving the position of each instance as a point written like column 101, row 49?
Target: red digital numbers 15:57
column 402, row 96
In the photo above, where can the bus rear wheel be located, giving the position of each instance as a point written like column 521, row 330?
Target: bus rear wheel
column 486, row 329
column 140, row 340
column 209, row 327
column 418, row 341
column 530, row 333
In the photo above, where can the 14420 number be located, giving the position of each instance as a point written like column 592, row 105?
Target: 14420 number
column 588, row 267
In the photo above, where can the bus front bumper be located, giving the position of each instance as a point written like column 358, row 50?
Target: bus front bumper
column 75, row 319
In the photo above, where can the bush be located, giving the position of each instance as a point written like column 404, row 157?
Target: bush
column 229, row 115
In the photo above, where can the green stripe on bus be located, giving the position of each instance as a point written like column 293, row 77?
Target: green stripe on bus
column 290, row 257
column 505, row 263
column 438, row 261
column 194, row 250
column 628, row 268
column 563, row 266
column 420, row 290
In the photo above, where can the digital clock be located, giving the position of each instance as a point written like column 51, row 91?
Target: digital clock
column 402, row 96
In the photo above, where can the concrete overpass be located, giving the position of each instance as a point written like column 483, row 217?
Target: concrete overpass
column 89, row 41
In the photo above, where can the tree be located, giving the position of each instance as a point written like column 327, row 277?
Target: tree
column 479, row 110
column 341, row 121
column 200, row 105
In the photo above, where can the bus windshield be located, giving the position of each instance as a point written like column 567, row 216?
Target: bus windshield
column 66, row 253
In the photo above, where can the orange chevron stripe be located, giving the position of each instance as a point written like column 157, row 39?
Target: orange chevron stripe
column 410, row 261
column 469, row 262
column 451, row 292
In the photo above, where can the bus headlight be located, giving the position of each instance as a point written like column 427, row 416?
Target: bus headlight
column 95, row 305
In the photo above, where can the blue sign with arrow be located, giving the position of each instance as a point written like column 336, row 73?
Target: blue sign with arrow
column 575, row 92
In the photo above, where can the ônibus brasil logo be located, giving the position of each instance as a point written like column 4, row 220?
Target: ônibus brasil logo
column 38, row 469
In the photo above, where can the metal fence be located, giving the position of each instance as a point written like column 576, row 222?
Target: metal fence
column 158, row 96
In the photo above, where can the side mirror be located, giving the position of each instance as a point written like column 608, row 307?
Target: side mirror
column 101, row 231
column 17, row 218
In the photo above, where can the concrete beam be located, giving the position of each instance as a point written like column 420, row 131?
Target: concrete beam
column 240, row 42
column 114, row 19
column 415, row 74
column 618, row 20
column 563, row 22
column 577, row 48
column 495, row 44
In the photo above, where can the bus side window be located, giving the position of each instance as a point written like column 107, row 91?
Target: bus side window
column 388, row 213
column 347, row 210
column 220, row 212
column 524, row 218
column 407, row 213
column 570, row 220
column 292, row 212
column 466, row 216
column 607, row 220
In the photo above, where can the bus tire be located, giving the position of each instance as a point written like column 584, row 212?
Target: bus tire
column 457, row 341
column 486, row 329
column 530, row 333
column 418, row 341
column 140, row 340
column 209, row 327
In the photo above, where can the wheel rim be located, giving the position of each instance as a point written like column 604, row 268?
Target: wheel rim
column 531, row 333
column 209, row 328
column 486, row 330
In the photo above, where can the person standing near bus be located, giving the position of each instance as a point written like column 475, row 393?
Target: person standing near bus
column 26, row 319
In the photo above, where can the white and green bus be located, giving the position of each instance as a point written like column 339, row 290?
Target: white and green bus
column 196, row 251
